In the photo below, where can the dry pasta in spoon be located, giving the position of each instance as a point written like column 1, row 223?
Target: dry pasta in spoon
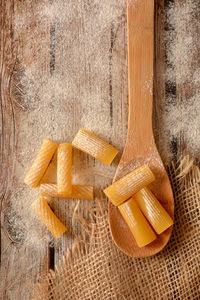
column 153, row 210
column 137, row 223
column 125, row 187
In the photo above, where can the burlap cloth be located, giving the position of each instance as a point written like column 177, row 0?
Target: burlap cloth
column 96, row 269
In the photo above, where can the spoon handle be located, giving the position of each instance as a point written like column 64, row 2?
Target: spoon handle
column 140, row 22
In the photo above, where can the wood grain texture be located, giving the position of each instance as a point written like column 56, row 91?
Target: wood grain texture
column 22, row 265
column 18, row 121
column 109, row 109
column 140, row 145
column 8, row 124
column 19, row 266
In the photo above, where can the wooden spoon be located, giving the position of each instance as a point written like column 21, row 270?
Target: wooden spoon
column 140, row 147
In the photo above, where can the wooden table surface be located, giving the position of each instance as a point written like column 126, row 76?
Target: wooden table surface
column 82, row 90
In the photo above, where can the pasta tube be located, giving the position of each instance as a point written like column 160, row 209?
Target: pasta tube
column 41, row 163
column 43, row 210
column 128, row 185
column 78, row 191
column 153, row 210
column 137, row 223
column 64, row 168
column 94, row 146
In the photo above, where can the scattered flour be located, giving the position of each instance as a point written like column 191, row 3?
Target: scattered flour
column 64, row 56
column 180, row 110
column 62, row 59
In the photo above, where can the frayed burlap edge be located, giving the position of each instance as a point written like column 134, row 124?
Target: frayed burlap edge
column 96, row 269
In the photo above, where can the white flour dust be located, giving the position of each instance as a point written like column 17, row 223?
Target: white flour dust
column 180, row 112
column 64, row 56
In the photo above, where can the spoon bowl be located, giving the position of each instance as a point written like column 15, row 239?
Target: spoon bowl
column 140, row 146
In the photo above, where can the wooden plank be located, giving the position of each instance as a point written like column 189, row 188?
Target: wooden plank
column 186, row 87
column 98, row 102
column 21, row 262
column 58, row 116
column 81, row 68
column 166, row 147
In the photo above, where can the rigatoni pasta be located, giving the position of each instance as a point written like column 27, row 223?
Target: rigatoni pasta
column 78, row 191
column 153, row 210
column 125, row 187
column 137, row 223
column 94, row 146
column 64, row 168
column 43, row 210
column 40, row 163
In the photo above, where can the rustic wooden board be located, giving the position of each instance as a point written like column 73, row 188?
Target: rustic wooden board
column 106, row 114
column 19, row 265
